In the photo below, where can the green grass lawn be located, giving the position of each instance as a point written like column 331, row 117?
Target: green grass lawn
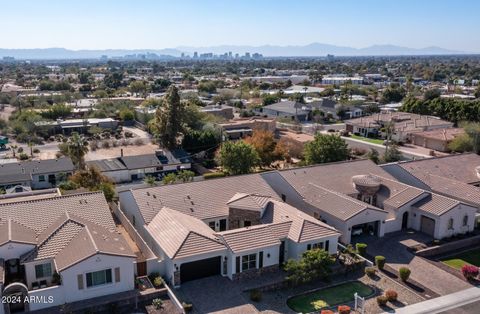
column 366, row 139
column 469, row 257
column 328, row 297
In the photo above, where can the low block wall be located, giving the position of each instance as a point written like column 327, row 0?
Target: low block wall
column 449, row 247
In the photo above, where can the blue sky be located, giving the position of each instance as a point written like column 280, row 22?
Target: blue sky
column 101, row 24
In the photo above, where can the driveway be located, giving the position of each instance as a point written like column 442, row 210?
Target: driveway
column 214, row 295
column 394, row 248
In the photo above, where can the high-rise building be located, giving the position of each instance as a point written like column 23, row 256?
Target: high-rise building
column 195, row 55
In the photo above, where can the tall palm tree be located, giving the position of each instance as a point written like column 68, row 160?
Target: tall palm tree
column 76, row 148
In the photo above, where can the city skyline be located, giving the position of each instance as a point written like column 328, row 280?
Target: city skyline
column 158, row 24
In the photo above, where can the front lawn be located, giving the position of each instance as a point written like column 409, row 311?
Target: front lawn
column 457, row 261
column 328, row 297
column 366, row 139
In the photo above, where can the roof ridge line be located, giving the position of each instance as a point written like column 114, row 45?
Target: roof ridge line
column 52, row 198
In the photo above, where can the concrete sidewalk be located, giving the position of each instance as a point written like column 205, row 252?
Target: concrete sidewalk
column 442, row 304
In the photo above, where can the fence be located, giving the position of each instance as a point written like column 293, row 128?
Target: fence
column 146, row 251
column 449, row 247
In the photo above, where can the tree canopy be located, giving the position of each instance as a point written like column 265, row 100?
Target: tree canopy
column 266, row 147
column 325, row 148
column 170, row 117
column 237, row 157
column 76, row 148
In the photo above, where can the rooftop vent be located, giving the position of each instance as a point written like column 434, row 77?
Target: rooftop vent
column 477, row 170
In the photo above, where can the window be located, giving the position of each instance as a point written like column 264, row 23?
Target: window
column 327, row 245
column 465, row 220
column 211, row 224
column 284, row 197
column 41, row 178
column 98, row 278
column 318, row 245
column 43, row 270
column 247, row 223
column 309, row 247
column 450, row 224
column 249, row 262
column 260, row 259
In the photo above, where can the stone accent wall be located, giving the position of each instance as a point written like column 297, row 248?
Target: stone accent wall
column 235, row 215
column 253, row 273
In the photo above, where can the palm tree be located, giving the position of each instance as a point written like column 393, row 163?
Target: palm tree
column 76, row 148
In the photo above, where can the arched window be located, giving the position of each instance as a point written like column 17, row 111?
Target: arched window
column 450, row 223
column 465, row 220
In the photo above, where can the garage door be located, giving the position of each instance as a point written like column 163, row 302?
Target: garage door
column 200, row 269
column 427, row 225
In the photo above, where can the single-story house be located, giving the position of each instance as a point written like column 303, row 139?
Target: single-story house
column 436, row 139
column 37, row 174
column 234, row 227
column 61, row 248
column 286, row 109
column 137, row 167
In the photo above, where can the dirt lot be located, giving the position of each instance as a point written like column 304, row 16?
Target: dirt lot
column 116, row 151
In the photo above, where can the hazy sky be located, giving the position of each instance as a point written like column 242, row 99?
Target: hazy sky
column 101, row 24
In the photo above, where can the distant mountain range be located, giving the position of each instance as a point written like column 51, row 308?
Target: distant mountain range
column 311, row 50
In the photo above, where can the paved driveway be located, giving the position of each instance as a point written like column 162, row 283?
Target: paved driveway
column 216, row 295
column 394, row 248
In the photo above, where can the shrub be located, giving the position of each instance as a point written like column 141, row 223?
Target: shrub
column 153, row 275
column 20, row 150
column 391, row 295
column 327, row 312
column 36, row 151
column 370, row 271
column 344, row 309
column 404, row 273
column 105, row 144
column 157, row 303
column 380, row 261
column 157, row 281
column 187, row 306
column 469, row 271
column 361, row 248
column 255, row 295
column 382, row 300
column 213, row 175
column 23, row 156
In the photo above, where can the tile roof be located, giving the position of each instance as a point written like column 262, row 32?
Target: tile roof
column 302, row 226
column 203, row 200
column 249, row 201
column 180, row 235
column 249, row 238
column 334, row 176
column 57, row 224
column 436, row 204
column 455, row 189
column 334, row 203
column 457, row 167
column 12, row 231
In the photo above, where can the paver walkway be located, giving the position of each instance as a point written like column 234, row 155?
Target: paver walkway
column 394, row 248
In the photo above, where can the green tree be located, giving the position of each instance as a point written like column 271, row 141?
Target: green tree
column 76, row 148
column 237, row 157
column 373, row 155
column 314, row 264
column 150, row 180
column 169, row 119
column 460, row 144
column 93, row 180
column 170, row 178
column 57, row 111
column 126, row 114
column 196, row 141
column 186, row 175
column 268, row 99
column 392, row 154
column 325, row 148
column 137, row 87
